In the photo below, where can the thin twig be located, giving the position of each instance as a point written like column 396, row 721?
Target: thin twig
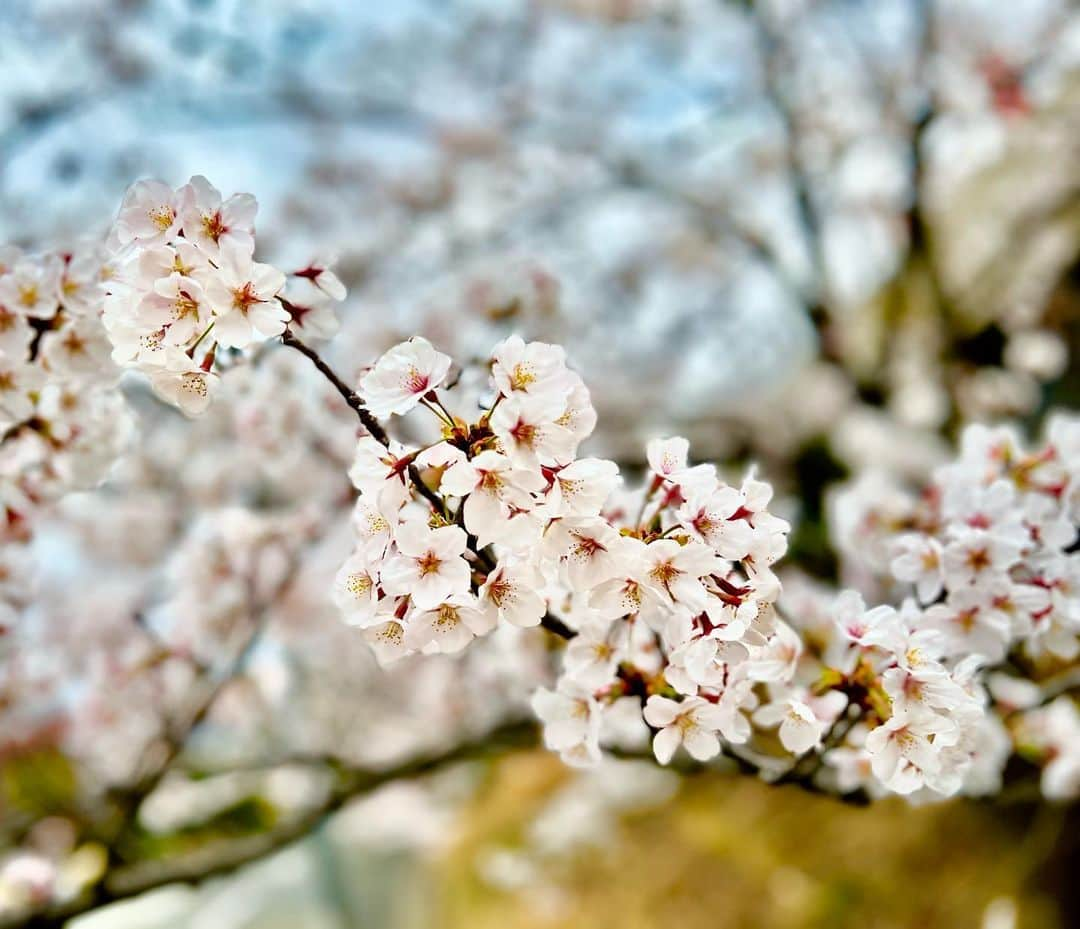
column 373, row 426
column 356, row 404
column 128, row 881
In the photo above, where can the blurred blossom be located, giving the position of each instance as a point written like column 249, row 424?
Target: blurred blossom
column 828, row 241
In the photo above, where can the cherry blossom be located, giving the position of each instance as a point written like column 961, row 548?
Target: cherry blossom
column 904, row 751
column 617, row 603
column 149, row 214
column 512, row 590
column 209, row 223
column 493, row 487
column 183, row 276
column 691, row 723
column 32, row 288
column 799, row 728
column 403, row 376
column 571, row 719
column 987, row 548
column 429, row 565
column 449, row 626
column 529, row 431
column 534, row 369
column 184, row 384
column 242, row 294
column 918, row 561
column 443, row 509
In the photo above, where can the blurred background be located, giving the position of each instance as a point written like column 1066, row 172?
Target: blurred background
column 815, row 236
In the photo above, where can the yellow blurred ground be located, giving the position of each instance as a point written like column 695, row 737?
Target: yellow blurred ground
column 730, row 852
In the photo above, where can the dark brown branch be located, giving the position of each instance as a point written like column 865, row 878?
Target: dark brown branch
column 373, row 426
column 127, row 881
column 124, row 881
column 553, row 624
column 744, row 767
column 356, row 404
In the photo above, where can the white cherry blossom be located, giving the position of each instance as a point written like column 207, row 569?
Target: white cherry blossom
column 800, row 729
column 492, row 487
column 581, row 487
column 918, row 561
column 449, row 626
column 403, row 376
column 356, row 590
column 534, row 368
column 586, row 549
column 905, row 751
column 428, row 566
column 185, row 385
column 209, row 222
column 692, row 723
column 178, row 306
column 571, row 720
column 512, row 591
column 242, row 294
column 529, row 432
column 32, row 288
column 149, row 214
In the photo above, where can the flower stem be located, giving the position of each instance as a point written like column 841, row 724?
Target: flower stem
column 198, row 341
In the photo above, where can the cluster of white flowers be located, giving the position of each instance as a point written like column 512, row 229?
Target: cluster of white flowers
column 667, row 593
column 62, row 422
column 186, row 285
column 993, row 541
column 425, row 579
column 684, row 624
column 476, row 515
column 671, row 605
column 984, row 560
column 921, row 720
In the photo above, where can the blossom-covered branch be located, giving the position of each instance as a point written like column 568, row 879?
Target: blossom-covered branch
column 130, row 880
column 476, row 519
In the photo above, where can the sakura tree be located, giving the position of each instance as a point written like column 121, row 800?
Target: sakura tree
column 437, row 515
column 722, row 177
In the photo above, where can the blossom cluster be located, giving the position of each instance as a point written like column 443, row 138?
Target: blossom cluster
column 62, row 422
column 984, row 562
column 666, row 591
column 430, row 578
column 478, row 517
column 686, row 623
column 994, row 539
column 187, row 288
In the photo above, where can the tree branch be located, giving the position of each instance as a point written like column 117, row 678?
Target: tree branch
column 553, row 624
column 126, row 881
column 356, row 404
